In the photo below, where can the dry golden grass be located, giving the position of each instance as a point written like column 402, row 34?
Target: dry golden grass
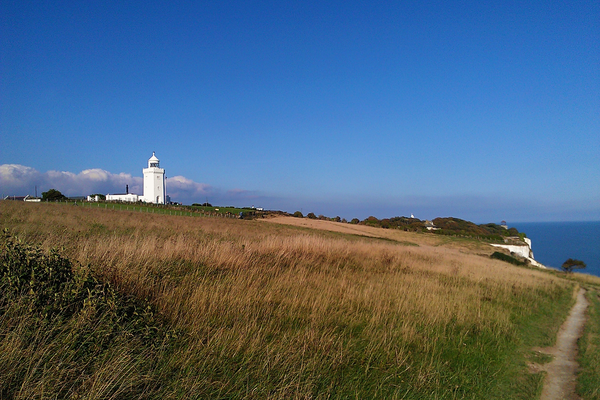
column 428, row 239
column 268, row 309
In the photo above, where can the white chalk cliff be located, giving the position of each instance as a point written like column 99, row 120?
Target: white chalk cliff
column 523, row 250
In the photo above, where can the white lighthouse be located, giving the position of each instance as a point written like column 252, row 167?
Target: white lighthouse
column 154, row 182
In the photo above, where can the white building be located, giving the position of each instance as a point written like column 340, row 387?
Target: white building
column 128, row 197
column 154, row 186
column 154, row 182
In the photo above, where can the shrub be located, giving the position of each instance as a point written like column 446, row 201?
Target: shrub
column 505, row 257
column 72, row 327
column 53, row 195
column 571, row 264
column 298, row 214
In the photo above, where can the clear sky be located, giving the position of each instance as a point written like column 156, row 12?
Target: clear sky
column 481, row 110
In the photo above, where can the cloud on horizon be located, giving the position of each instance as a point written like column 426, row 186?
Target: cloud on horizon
column 20, row 180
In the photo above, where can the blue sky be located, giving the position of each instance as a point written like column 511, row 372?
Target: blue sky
column 484, row 111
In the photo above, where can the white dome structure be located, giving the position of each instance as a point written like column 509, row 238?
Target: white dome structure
column 153, row 161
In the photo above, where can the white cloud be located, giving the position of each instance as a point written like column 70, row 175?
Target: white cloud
column 96, row 174
column 12, row 175
column 20, row 180
column 183, row 189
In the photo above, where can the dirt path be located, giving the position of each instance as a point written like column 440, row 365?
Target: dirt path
column 561, row 376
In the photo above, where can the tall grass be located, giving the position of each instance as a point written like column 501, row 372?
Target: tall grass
column 269, row 311
column 589, row 375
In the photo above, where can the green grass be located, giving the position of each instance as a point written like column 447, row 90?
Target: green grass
column 217, row 308
column 538, row 357
column 64, row 334
column 589, row 357
column 504, row 257
column 189, row 211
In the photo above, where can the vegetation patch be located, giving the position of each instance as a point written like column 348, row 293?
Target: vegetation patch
column 589, row 354
column 505, row 257
column 265, row 311
column 64, row 334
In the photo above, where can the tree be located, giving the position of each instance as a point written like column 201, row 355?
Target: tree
column 311, row 215
column 53, row 195
column 570, row 265
column 298, row 214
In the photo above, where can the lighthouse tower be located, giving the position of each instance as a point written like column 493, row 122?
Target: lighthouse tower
column 154, row 182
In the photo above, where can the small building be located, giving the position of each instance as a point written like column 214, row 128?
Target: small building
column 430, row 226
column 27, row 198
column 125, row 197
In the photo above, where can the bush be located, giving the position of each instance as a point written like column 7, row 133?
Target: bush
column 53, row 195
column 371, row 221
column 571, row 264
column 505, row 257
column 311, row 215
column 72, row 328
column 298, row 214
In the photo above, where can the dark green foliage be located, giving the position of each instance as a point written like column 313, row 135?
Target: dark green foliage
column 311, row 215
column 512, row 231
column 459, row 227
column 100, row 196
column 571, row 264
column 202, row 205
column 298, row 214
column 371, row 221
column 354, row 221
column 505, row 257
column 404, row 223
column 71, row 324
column 53, row 195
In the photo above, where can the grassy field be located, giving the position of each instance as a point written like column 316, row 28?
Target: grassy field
column 227, row 308
column 177, row 210
column 589, row 357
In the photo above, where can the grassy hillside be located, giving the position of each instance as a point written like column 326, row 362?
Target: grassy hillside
column 254, row 309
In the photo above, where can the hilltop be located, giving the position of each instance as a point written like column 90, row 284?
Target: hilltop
column 151, row 305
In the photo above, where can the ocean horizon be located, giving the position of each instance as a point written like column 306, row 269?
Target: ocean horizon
column 555, row 242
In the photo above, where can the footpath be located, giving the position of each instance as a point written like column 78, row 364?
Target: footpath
column 561, row 378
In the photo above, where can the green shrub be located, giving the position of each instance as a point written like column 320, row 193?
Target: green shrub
column 73, row 327
column 505, row 257
column 53, row 195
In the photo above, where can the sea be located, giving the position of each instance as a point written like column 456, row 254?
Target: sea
column 553, row 243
